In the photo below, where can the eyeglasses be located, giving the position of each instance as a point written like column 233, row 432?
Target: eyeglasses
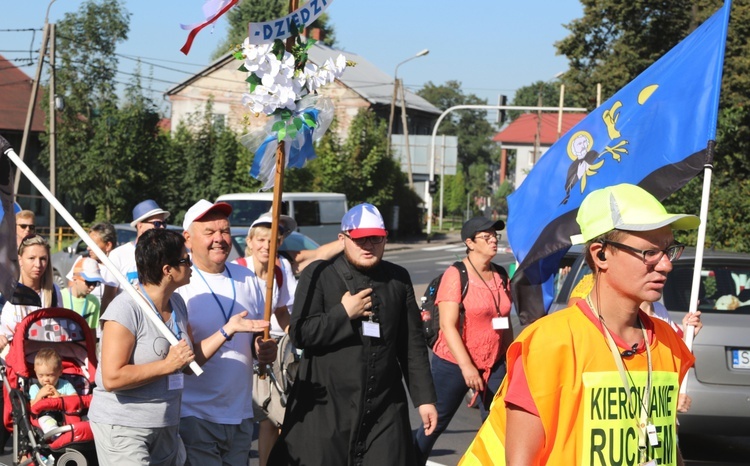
column 651, row 256
column 90, row 284
column 24, row 226
column 362, row 241
column 183, row 261
column 158, row 223
column 487, row 237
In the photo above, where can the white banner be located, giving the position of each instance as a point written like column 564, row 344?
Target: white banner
column 269, row 31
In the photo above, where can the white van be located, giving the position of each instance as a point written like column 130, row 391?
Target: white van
column 318, row 215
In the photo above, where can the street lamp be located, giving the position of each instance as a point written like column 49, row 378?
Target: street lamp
column 395, row 91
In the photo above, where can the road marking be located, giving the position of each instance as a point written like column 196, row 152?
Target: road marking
column 439, row 248
column 432, row 463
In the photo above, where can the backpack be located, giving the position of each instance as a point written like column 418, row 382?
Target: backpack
column 278, row 276
column 430, row 313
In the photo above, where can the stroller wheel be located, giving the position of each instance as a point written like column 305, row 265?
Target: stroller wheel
column 71, row 458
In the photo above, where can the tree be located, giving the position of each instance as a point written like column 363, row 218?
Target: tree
column 89, row 131
column 211, row 160
column 360, row 168
column 471, row 126
column 615, row 41
column 455, row 193
column 259, row 11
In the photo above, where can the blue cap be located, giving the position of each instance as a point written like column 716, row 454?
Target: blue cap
column 146, row 209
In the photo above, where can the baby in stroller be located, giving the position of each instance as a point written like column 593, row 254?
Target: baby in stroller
column 48, row 369
column 42, row 337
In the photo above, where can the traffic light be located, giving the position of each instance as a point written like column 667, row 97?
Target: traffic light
column 433, row 187
column 501, row 113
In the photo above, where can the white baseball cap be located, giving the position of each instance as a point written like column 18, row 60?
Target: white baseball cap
column 287, row 223
column 202, row 208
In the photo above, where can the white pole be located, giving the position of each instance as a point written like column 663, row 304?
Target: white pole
column 126, row 285
column 699, row 248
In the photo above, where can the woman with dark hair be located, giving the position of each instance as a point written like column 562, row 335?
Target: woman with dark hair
column 473, row 358
column 36, row 273
column 135, row 412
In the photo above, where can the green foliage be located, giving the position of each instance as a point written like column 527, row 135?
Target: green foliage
column 259, row 11
column 455, row 193
column 211, row 160
column 500, row 197
column 98, row 144
column 360, row 168
column 473, row 130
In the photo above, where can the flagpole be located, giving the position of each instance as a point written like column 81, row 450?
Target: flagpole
column 278, row 189
column 126, row 285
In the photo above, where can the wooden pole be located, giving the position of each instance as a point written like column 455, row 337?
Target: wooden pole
column 278, row 188
column 32, row 102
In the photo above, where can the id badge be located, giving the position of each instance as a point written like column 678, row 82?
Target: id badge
column 653, row 439
column 499, row 323
column 176, row 381
column 371, row 329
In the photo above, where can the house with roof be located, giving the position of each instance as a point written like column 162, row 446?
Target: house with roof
column 361, row 86
column 15, row 93
column 520, row 136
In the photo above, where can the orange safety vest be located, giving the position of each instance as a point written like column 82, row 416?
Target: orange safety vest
column 579, row 395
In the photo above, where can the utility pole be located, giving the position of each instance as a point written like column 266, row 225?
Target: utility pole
column 32, row 102
column 52, row 134
column 538, row 136
column 406, row 134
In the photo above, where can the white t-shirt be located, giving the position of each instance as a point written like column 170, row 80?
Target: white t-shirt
column 286, row 296
column 12, row 314
column 223, row 393
column 123, row 257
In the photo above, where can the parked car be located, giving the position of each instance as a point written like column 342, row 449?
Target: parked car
column 719, row 384
column 296, row 241
column 62, row 261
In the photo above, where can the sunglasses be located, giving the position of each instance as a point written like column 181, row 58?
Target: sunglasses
column 183, row 261
column 158, row 223
column 362, row 241
column 91, row 284
column 24, row 226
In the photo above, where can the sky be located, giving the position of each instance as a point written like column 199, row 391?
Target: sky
column 491, row 47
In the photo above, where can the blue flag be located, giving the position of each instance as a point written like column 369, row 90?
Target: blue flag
column 654, row 132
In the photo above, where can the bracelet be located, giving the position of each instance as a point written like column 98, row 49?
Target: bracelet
column 221, row 330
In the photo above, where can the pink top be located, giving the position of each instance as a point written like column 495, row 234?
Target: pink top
column 481, row 340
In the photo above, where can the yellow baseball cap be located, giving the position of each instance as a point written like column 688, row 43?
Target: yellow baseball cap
column 625, row 207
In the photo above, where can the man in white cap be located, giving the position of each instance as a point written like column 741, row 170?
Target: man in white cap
column 357, row 321
column 216, row 422
column 598, row 382
column 146, row 215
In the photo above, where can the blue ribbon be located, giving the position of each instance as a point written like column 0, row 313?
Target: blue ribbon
column 297, row 155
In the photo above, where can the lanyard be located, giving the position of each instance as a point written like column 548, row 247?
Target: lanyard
column 175, row 328
column 216, row 298
column 85, row 303
column 494, row 281
column 646, row 402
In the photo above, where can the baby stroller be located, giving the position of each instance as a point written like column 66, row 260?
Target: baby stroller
column 71, row 443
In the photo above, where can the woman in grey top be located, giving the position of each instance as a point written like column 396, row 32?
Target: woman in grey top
column 135, row 411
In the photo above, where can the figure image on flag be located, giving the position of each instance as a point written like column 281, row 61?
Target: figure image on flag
column 655, row 132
